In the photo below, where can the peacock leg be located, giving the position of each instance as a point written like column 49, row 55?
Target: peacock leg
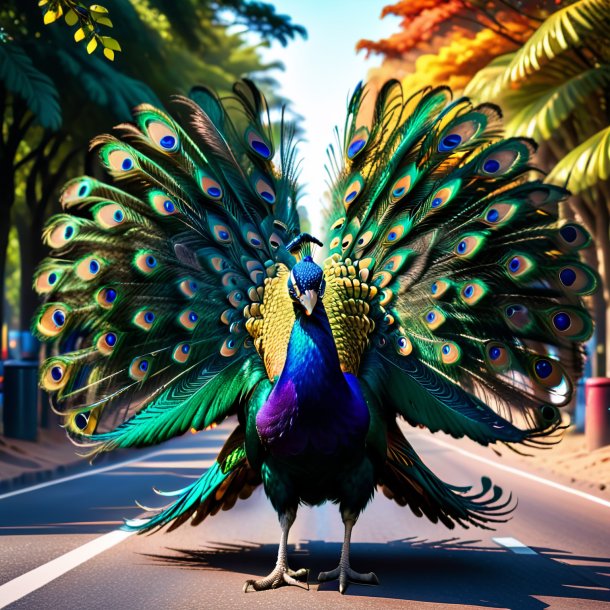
column 344, row 572
column 281, row 574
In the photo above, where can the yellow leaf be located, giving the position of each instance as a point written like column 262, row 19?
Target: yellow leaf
column 71, row 17
column 96, row 8
column 109, row 53
column 43, row 2
column 110, row 43
column 51, row 16
column 79, row 34
column 91, row 46
column 103, row 21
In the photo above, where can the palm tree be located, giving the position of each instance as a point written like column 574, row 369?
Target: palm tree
column 554, row 88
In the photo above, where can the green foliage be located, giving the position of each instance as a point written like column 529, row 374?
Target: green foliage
column 25, row 80
column 585, row 166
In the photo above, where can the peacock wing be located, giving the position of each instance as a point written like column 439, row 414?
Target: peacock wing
column 482, row 322
column 148, row 277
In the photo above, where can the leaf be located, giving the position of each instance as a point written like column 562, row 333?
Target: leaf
column 585, row 166
column 43, row 2
column 71, row 18
column 109, row 54
column 23, row 79
column 543, row 108
column 104, row 21
column 51, row 16
column 92, row 45
column 79, row 34
column 567, row 28
column 96, row 8
column 110, row 43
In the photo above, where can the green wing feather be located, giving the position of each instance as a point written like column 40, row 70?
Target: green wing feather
column 479, row 322
column 148, row 277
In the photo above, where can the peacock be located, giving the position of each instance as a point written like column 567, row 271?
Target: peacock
column 182, row 291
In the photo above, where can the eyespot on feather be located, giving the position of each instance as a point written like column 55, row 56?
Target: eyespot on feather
column 48, row 280
column 265, row 191
column 54, row 375
column 497, row 357
column 460, row 133
column 181, row 353
column 163, row 136
column 146, row 262
column 547, row 372
column 188, row 319
column 140, row 367
column 357, row 142
column 473, row 291
column 106, row 342
column 229, row 347
column 275, row 241
column 434, row 317
column 450, row 352
column 382, row 278
column 144, row 319
column 62, row 234
column 573, row 236
column 403, row 345
column 469, row 245
column 109, row 215
column 118, row 160
column 106, row 297
column 89, row 268
column 236, row 298
column 162, row 204
column 444, row 195
column 570, row 323
column 499, row 214
column 353, row 190
column 402, row 186
column 519, row 266
column 517, row 317
column 439, row 287
column 53, row 319
column 258, row 144
column 578, row 279
column 498, row 162
column 221, row 233
column 188, row 287
column 255, row 239
column 211, row 188
column 76, row 190
column 337, row 224
column 334, row 243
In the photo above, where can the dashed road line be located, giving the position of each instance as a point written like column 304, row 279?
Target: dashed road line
column 514, row 545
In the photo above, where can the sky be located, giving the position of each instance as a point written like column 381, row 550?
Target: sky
column 321, row 71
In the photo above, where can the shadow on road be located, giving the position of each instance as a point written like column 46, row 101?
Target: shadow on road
column 450, row 571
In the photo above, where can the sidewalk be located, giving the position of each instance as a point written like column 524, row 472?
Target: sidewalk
column 24, row 463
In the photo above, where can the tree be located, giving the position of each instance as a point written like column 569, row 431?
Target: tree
column 555, row 90
column 167, row 48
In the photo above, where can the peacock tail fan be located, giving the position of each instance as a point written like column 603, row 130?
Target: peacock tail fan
column 148, row 276
column 479, row 318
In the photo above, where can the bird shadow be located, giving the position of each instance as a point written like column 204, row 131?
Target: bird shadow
column 449, row 571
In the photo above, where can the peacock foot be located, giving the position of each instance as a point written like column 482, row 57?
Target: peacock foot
column 281, row 575
column 346, row 575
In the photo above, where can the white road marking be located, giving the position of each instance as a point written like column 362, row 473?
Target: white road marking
column 514, row 545
column 520, row 473
column 74, row 477
column 38, row 577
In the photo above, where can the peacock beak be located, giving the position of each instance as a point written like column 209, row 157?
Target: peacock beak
column 309, row 299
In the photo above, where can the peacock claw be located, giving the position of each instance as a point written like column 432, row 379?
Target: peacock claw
column 280, row 576
column 346, row 575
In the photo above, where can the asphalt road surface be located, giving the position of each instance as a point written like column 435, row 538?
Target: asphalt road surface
column 61, row 546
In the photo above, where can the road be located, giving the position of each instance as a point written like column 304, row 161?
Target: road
column 563, row 561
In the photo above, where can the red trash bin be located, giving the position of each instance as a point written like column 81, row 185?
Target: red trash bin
column 597, row 412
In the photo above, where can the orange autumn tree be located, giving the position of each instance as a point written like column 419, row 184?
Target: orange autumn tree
column 448, row 42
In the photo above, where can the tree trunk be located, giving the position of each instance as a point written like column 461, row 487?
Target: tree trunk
column 602, row 240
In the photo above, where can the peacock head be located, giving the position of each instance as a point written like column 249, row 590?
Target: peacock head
column 306, row 284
